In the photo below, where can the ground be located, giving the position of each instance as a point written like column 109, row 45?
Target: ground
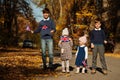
column 26, row 64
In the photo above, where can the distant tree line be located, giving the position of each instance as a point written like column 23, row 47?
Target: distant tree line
column 9, row 11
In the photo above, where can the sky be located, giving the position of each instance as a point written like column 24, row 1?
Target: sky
column 36, row 11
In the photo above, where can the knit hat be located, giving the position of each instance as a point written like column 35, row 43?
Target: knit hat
column 83, row 39
column 65, row 31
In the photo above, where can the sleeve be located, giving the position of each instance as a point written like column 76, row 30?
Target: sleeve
column 71, row 43
column 91, row 37
column 59, row 44
column 104, row 36
column 38, row 29
column 77, row 51
column 86, row 52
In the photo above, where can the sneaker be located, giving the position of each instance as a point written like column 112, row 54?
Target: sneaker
column 93, row 71
column 105, row 72
column 76, row 72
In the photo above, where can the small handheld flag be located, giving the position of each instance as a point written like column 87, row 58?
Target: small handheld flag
column 28, row 28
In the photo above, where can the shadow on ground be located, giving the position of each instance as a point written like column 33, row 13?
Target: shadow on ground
column 22, row 72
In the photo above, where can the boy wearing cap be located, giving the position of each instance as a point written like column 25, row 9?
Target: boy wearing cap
column 46, row 29
column 81, row 54
column 65, row 44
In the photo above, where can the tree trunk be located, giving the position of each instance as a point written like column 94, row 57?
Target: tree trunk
column 117, row 46
column 60, row 8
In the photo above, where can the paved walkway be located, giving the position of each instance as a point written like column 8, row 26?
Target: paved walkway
column 113, row 71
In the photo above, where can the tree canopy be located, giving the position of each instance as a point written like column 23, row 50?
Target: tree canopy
column 77, row 15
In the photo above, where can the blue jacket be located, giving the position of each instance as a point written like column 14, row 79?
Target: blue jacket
column 45, row 27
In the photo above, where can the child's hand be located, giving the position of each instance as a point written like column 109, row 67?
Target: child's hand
column 70, row 39
column 105, row 41
column 92, row 45
column 52, row 32
column 32, row 31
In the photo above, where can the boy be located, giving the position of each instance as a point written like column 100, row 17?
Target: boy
column 46, row 29
column 98, row 39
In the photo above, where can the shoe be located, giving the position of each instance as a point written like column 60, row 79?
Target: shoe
column 83, row 70
column 63, row 70
column 77, row 70
column 93, row 71
column 67, row 70
column 105, row 72
column 45, row 67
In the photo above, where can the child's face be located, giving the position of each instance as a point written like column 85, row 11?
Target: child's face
column 81, row 43
column 97, row 25
column 45, row 15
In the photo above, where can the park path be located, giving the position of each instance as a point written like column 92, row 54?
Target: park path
column 113, row 64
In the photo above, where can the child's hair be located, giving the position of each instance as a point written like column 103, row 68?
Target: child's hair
column 97, row 20
column 46, row 10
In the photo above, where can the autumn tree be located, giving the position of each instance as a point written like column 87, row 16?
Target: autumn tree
column 10, row 9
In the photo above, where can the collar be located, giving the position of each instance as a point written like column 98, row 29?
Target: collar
column 97, row 29
column 82, row 45
column 46, row 19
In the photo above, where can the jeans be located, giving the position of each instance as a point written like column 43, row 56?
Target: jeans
column 49, row 44
column 99, row 49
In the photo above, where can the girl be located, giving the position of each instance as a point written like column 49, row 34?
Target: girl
column 65, row 44
column 81, row 54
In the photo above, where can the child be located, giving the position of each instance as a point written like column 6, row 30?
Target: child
column 98, row 39
column 65, row 44
column 46, row 29
column 81, row 54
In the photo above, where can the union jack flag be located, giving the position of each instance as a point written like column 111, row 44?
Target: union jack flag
column 64, row 39
column 44, row 27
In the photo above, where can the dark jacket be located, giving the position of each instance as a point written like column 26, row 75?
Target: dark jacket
column 97, row 36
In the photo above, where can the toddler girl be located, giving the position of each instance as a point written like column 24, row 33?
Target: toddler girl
column 81, row 54
column 65, row 44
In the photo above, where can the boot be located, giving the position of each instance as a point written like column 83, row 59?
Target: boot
column 83, row 70
column 67, row 69
column 63, row 69
column 77, row 70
